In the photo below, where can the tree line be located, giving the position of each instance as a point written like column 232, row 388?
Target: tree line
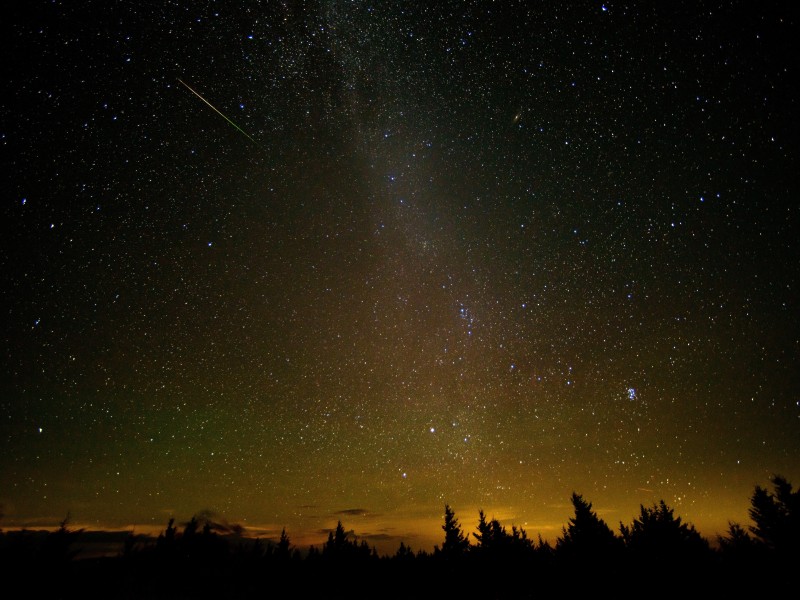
column 657, row 550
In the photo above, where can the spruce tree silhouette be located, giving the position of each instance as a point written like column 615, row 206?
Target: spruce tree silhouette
column 404, row 553
column 314, row 555
column 336, row 546
column 455, row 544
column 739, row 551
column 777, row 517
column 658, row 537
column 496, row 543
column 283, row 549
column 166, row 543
column 340, row 548
column 57, row 549
column 773, row 550
column 187, row 542
column 505, row 555
column 484, row 535
column 587, row 538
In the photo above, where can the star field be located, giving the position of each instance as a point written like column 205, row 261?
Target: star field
column 482, row 253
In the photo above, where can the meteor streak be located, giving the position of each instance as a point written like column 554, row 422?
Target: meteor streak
column 214, row 108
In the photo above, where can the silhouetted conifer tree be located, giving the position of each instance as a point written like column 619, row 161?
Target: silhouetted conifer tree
column 339, row 547
column 57, row 548
column 544, row 550
column 283, row 549
column 484, row 533
column 657, row 536
column 404, row 553
column 495, row 541
column 777, row 517
column 587, row 537
column 455, row 543
column 336, row 545
column 739, row 550
column 313, row 554
column 166, row 542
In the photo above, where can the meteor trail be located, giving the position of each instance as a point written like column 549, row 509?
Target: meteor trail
column 214, row 108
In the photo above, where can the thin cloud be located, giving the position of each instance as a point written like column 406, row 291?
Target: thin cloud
column 354, row 512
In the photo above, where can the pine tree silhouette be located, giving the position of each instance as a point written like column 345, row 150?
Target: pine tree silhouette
column 283, row 549
column 587, row 537
column 657, row 536
column 777, row 517
column 455, row 543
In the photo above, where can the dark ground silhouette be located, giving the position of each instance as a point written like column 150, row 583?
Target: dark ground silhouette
column 657, row 555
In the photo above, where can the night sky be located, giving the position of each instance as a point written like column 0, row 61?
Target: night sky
column 296, row 263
